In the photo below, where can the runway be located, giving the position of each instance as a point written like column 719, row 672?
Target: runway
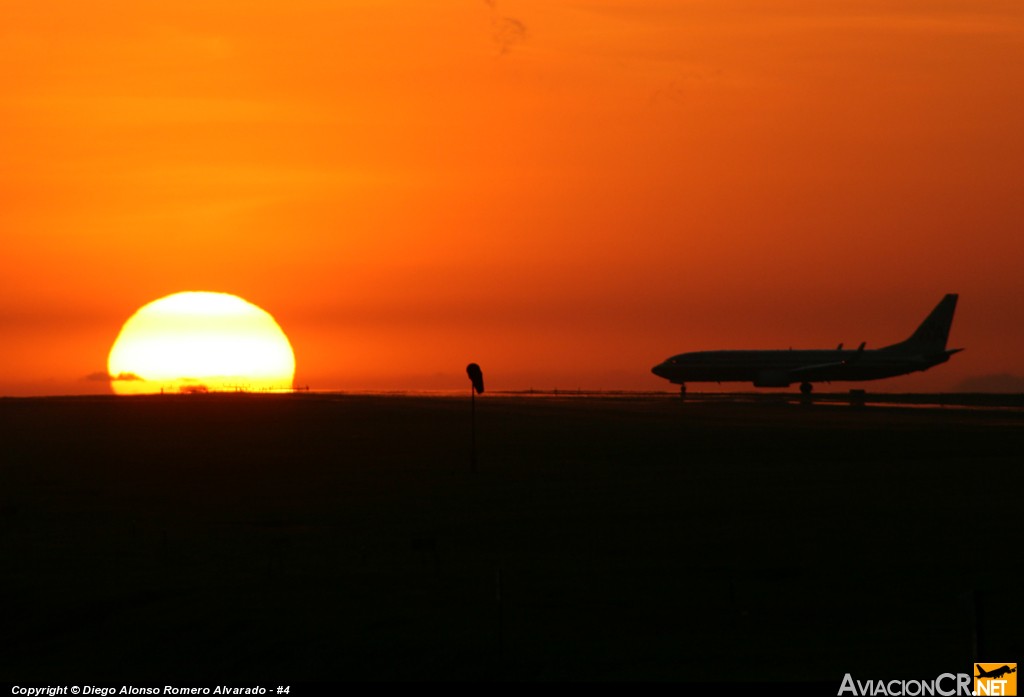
column 603, row 537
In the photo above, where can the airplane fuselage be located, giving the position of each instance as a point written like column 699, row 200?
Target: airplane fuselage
column 785, row 367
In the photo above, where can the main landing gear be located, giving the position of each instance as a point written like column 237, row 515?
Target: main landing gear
column 806, row 387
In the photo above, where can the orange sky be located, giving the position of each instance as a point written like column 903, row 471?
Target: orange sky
column 564, row 192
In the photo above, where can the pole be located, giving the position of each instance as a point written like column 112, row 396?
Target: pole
column 500, row 610
column 472, row 402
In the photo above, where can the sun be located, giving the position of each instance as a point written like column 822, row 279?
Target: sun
column 198, row 342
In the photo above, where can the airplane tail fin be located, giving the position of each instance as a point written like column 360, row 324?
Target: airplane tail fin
column 933, row 333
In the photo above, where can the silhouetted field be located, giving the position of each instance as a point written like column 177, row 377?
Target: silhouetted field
column 316, row 537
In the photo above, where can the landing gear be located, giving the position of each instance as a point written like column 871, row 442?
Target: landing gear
column 682, row 391
column 806, row 387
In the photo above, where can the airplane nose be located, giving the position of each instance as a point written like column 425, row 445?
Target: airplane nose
column 659, row 370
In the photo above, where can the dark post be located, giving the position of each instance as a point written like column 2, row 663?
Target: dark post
column 500, row 610
column 476, row 378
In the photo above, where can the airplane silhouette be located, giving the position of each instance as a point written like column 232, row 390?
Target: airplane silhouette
column 925, row 348
column 997, row 673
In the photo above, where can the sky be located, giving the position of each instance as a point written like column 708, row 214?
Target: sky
column 565, row 192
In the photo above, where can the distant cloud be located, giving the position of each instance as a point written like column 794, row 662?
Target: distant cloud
column 507, row 31
column 996, row 382
column 104, row 377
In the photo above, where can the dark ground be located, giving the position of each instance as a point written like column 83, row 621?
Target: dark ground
column 312, row 537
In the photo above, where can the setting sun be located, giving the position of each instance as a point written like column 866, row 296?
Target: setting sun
column 199, row 341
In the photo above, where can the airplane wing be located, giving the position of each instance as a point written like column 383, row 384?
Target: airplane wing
column 804, row 371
